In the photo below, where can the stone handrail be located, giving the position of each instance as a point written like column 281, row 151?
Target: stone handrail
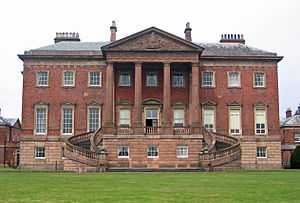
column 215, row 157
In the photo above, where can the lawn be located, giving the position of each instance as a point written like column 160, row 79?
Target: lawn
column 275, row 187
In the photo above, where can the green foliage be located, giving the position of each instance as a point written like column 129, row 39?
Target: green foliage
column 256, row 186
column 295, row 159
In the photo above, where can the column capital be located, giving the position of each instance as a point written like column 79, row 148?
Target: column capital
column 195, row 64
column 167, row 63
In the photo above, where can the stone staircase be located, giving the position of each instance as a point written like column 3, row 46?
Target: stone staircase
column 223, row 152
column 85, row 152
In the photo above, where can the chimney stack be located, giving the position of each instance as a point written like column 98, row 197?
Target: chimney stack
column 188, row 32
column 66, row 36
column 232, row 38
column 113, row 31
column 288, row 113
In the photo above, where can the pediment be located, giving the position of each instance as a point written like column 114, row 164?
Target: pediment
column 152, row 39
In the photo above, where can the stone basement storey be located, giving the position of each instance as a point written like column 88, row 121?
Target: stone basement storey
column 150, row 101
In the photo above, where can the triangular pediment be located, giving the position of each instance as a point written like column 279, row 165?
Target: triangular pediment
column 152, row 39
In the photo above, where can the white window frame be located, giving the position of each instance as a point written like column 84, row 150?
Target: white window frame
column 151, row 156
column 152, row 73
column 119, row 150
column 35, row 119
column 36, row 152
column 258, row 153
column 149, row 109
column 178, row 85
column 180, row 156
column 62, row 119
column 261, row 108
column 297, row 137
column 100, row 79
column 88, row 116
column 229, row 82
column 231, row 109
column 213, row 79
column 264, row 79
column 74, row 78
column 124, row 85
column 129, row 118
column 175, row 124
column 38, row 79
column 211, row 108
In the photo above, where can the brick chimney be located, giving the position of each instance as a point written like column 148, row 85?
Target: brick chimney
column 66, row 36
column 288, row 113
column 188, row 32
column 232, row 38
column 113, row 31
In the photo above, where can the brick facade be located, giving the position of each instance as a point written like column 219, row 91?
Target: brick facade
column 155, row 51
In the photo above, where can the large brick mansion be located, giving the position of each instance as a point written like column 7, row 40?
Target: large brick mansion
column 149, row 101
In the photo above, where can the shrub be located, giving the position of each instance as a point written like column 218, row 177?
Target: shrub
column 295, row 159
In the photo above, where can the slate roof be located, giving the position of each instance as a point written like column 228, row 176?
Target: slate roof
column 210, row 49
column 293, row 121
column 7, row 121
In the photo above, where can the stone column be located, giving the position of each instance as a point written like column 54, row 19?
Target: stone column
column 108, row 116
column 137, row 109
column 194, row 107
column 167, row 117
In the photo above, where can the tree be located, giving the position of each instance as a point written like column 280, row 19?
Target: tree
column 295, row 159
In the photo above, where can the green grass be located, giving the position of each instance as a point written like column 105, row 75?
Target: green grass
column 24, row 186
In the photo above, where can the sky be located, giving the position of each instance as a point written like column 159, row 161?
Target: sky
column 269, row 25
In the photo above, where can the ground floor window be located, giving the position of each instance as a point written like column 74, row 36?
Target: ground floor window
column 182, row 151
column 40, row 152
column 261, row 152
column 152, row 151
column 123, row 152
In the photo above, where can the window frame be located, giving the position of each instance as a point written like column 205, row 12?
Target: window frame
column 182, row 156
column 183, row 79
column 129, row 118
column 259, row 108
column 74, row 78
column 213, row 85
column 254, row 81
column 239, row 79
column 209, row 107
column 151, row 156
column 36, row 152
column 88, row 116
column 89, row 79
column 295, row 140
column 68, row 106
column 154, row 73
column 37, row 78
column 234, row 108
column 35, row 119
column 258, row 153
column 183, row 119
column 119, row 79
column 128, row 151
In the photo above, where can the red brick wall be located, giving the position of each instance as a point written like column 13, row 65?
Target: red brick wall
column 55, row 95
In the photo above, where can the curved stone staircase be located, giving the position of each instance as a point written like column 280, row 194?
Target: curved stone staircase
column 221, row 151
column 86, row 149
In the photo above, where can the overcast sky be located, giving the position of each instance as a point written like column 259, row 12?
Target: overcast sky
column 270, row 25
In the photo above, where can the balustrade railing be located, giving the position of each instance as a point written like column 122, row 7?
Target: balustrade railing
column 182, row 130
column 152, row 130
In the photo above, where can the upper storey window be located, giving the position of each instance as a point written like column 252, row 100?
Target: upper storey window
column 124, row 79
column 178, row 117
column 95, row 79
column 151, row 79
column 67, row 120
column 208, row 79
column 69, row 79
column 178, row 79
column 234, row 79
column 259, row 79
column 297, row 138
column 260, row 121
column 209, row 119
column 124, row 118
column 94, row 120
column 41, row 115
column 42, row 78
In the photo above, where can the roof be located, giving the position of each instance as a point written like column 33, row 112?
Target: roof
column 293, row 121
column 210, row 49
column 8, row 121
